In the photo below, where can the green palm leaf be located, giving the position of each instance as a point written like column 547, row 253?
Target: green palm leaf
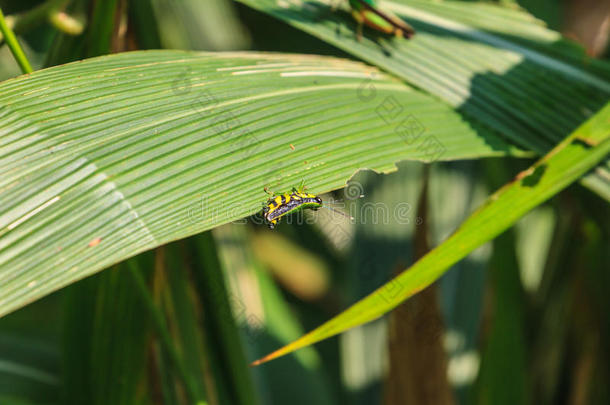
column 112, row 156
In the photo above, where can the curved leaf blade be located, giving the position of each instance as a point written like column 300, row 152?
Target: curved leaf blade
column 108, row 157
column 566, row 163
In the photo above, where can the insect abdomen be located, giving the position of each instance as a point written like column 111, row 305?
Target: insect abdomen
column 286, row 203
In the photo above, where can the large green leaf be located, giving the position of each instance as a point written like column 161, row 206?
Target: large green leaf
column 497, row 65
column 108, row 157
column 566, row 163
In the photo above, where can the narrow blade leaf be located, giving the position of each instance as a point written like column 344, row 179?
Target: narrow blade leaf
column 566, row 163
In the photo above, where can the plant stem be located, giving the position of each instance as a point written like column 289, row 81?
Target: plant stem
column 12, row 43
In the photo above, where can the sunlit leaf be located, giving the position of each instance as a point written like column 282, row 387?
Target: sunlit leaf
column 112, row 156
column 499, row 66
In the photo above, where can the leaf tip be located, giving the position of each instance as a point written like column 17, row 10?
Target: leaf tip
column 279, row 352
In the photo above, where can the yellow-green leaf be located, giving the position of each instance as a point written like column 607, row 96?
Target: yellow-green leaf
column 566, row 163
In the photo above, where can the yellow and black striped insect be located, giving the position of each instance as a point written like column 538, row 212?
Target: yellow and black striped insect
column 283, row 204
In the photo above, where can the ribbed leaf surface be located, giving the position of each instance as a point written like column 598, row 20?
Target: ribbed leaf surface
column 108, row 157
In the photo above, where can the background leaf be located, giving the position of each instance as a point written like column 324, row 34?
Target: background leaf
column 103, row 317
column 498, row 66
